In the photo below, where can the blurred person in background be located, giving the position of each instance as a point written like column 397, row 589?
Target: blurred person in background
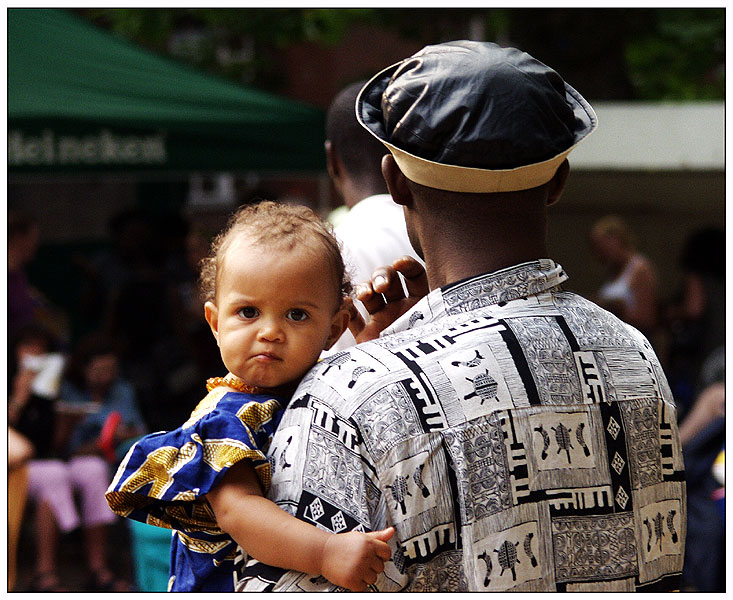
column 26, row 305
column 97, row 412
column 696, row 317
column 373, row 231
column 20, row 450
column 702, row 433
column 93, row 387
column 34, row 376
column 31, row 413
column 630, row 292
column 695, row 320
column 130, row 257
column 196, row 250
column 186, row 356
column 131, row 290
column 23, row 300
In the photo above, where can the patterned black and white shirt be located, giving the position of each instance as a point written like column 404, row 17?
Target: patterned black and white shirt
column 516, row 435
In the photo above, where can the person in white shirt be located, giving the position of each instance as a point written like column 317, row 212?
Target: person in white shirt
column 373, row 232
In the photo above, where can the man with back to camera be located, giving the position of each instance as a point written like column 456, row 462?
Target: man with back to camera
column 517, row 436
column 372, row 232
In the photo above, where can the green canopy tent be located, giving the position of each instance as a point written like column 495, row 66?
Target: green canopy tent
column 82, row 100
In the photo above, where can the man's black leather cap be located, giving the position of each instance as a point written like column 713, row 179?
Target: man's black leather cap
column 476, row 106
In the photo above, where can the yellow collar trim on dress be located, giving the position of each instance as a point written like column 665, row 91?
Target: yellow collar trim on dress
column 232, row 382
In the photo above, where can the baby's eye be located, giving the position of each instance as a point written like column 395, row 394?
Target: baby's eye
column 248, row 312
column 296, row 314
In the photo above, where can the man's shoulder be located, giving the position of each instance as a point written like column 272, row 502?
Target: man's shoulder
column 571, row 303
column 344, row 373
column 527, row 325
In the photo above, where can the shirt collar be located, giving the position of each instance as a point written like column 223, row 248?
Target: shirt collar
column 498, row 287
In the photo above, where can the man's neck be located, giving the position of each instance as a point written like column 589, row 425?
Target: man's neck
column 467, row 251
column 444, row 270
column 463, row 235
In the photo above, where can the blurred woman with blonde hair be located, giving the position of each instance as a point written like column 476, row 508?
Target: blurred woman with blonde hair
column 630, row 292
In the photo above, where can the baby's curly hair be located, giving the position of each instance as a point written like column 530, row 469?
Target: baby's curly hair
column 284, row 225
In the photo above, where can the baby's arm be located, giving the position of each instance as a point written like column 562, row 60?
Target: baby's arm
column 272, row 536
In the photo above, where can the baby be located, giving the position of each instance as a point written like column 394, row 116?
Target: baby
column 274, row 288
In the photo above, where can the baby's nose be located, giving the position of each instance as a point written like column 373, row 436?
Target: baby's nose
column 270, row 330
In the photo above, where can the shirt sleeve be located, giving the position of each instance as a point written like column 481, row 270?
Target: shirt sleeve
column 324, row 476
column 165, row 476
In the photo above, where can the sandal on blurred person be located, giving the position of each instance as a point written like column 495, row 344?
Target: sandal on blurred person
column 47, row 582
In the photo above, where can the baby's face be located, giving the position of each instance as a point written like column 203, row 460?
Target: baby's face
column 275, row 311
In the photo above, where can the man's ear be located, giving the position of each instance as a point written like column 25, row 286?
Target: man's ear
column 396, row 181
column 557, row 183
column 339, row 323
column 211, row 312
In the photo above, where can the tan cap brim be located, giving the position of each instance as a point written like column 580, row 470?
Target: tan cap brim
column 454, row 178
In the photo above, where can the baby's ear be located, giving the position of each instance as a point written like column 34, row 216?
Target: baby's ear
column 211, row 312
column 340, row 321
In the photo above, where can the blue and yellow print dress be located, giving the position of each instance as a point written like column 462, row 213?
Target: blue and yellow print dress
column 164, row 478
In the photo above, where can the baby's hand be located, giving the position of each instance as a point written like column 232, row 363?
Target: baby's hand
column 353, row 560
column 384, row 297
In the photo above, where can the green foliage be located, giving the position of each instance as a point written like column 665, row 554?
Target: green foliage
column 149, row 27
column 235, row 43
column 682, row 58
column 648, row 53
